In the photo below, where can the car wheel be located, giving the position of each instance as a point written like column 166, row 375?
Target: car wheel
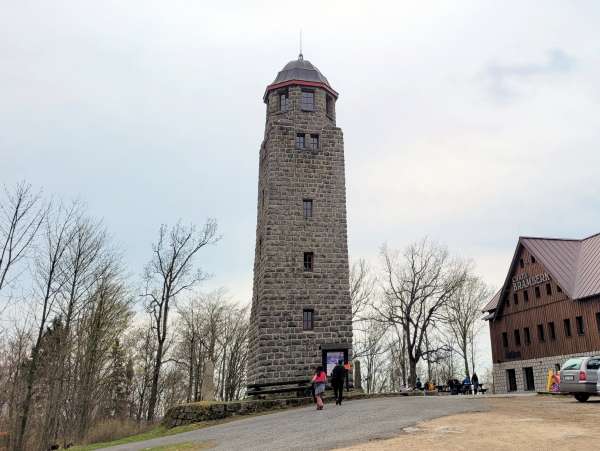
column 582, row 397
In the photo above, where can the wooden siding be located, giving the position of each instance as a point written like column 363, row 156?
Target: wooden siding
column 553, row 308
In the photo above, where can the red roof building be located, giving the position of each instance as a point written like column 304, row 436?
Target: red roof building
column 547, row 310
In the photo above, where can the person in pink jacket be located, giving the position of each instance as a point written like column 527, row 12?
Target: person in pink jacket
column 319, row 380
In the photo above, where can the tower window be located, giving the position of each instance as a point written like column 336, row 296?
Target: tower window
column 307, row 102
column 300, row 137
column 551, row 330
column 313, row 142
column 308, row 208
column 329, row 105
column 307, row 319
column 567, row 323
column 580, row 326
column 308, row 261
column 284, row 101
column 537, row 292
column 549, row 289
column 526, row 295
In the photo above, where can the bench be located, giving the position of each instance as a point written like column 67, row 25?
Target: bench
column 302, row 387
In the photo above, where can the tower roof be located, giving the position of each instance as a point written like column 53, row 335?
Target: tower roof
column 300, row 72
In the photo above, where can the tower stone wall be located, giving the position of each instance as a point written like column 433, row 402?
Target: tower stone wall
column 280, row 348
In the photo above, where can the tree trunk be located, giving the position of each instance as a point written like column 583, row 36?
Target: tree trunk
column 154, row 388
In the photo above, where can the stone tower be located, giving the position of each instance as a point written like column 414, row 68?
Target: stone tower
column 301, row 309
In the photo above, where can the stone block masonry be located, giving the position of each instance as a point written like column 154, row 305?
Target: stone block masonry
column 280, row 346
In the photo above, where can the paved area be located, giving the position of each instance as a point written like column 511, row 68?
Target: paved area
column 511, row 424
column 307, row 429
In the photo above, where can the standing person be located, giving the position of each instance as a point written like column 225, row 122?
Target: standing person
column 338, row 375
column 319, row 380
column 475, row 382
column 418, row 384
column 466, row 384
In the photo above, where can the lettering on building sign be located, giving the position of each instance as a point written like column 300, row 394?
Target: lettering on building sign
column 524, row 280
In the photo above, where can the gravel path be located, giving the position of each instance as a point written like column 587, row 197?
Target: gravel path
column 306, row 429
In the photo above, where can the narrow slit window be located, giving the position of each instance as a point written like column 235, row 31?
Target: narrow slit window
column 549, row 289
column 308, row 319
column 308, row 208
column 537, row 292
column 516, row 298
column 517, row 337
column 284, row 101
column 505, row 339
column 300, row 137
column 313, row 142
column 521, row 263
column 598, row 321
column 532, row 259
column 329, row 105
column 527, row 336
column 526, row 295
column 308, row 261
column 551, row 330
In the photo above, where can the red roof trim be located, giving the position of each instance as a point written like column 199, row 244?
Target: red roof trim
column 314, row 84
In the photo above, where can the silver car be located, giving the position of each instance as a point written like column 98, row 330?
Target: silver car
column 579, row 376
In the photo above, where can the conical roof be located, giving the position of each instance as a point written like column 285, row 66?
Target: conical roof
column 300, row 72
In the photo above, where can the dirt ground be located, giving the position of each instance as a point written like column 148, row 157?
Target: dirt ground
column 518, row 423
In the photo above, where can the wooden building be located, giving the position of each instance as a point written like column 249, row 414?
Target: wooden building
column 547, row 311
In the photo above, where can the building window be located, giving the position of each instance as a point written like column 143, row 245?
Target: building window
column 537, row 292
column 505, row 339
column 558, row 288
column 307, row 319
column 521, row 263
column 284, row 101
column 549, row 289
column 308, row 208
column 580, row 326
column 598, row 321
column 308, row 261
column 307, row 102
column 516, row 298
column 527, row 336
column 300, row 140
column 313, row 142
column 541, row 335
column 526, row 295
column 329, row 105
column 551, row 330
column 517, row 337
column 532, row 259
column 567, row 323
column 259, row 246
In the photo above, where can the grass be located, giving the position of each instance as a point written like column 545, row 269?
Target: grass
column 159, row 431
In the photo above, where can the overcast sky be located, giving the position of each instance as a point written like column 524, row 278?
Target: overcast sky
column 470, row 122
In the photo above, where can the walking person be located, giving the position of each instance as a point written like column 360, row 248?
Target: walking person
column 475, row 382
column 338, row 375
column 319, row 380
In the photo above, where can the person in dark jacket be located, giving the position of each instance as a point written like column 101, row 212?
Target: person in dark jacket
column 475, row 383
column 338, row 375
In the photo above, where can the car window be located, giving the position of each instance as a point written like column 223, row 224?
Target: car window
column 593, row 364
column 572, row 364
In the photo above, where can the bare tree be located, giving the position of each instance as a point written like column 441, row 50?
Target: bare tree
column 50, row 278
column 362, row 288
column 170, row 272
column 462, row 317
column 21, row 215
column 417, row 285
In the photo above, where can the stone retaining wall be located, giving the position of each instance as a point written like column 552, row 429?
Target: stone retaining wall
column 203, row 411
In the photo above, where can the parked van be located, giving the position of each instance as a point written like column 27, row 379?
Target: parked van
column 579, row 377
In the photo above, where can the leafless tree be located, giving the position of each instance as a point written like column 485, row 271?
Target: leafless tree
column 21, row 215
column 417, row 286
column 462, row 316
column 169, row 273
column 362, row 288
